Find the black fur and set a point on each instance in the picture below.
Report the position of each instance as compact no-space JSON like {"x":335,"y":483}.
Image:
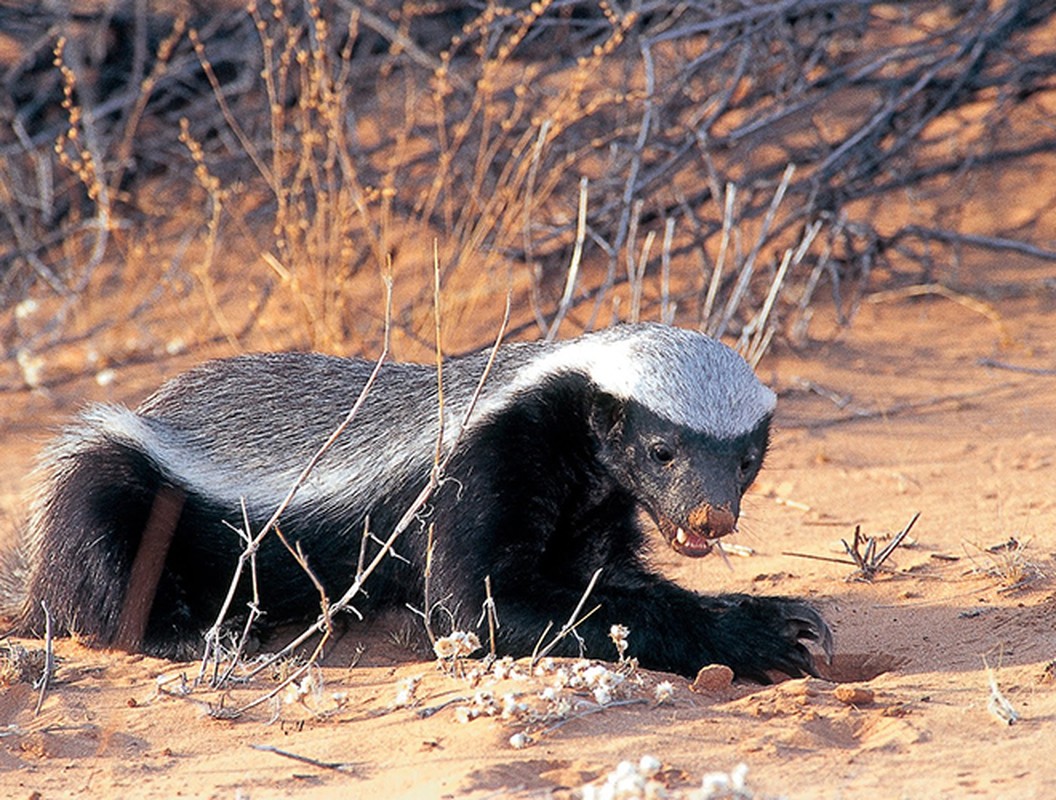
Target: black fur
{"x":548,"y":487}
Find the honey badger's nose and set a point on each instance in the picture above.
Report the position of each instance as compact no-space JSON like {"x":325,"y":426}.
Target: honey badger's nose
{"x":712,"y":521}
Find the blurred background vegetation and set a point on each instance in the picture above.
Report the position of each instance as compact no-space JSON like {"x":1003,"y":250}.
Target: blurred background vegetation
{"x":210,"y":177}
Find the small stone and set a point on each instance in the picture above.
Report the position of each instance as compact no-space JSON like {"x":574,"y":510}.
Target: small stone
{"x":854,"y":695}
{"x":798,"y":687}
{"x":712,"y":678}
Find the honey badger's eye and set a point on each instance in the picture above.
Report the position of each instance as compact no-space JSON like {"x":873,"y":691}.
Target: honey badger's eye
{"x":661,"y":452}
{"x":748,"y":463}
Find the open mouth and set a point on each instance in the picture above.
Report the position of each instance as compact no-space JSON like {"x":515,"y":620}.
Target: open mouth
{"x":691,"y":544}
{"x":686,"y":541}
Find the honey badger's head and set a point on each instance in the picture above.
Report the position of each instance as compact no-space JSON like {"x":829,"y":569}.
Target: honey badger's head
{"x":682,"y":423}
{"x":688,"y":482}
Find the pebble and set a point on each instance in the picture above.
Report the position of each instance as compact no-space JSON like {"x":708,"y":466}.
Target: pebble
{"x":854,"y":695}
{"x":712,"y":678}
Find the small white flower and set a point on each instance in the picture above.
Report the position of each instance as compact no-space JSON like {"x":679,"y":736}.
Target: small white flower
{"x":739,"y":776}
{"x":502,"y":668}
{"x":715,"y":783}
{"x":664,"y":692}
{"x":511,"y":708}
{"x":444,"y":648}
{"x":296,"y":692}
{"x":519,"y":741}
{"x":27,"y":308}
{"x":595,"y":675}
{"x":32,"y":368}
{"x":625,"y":769}
{"x":456,"y":645}
{"x":720,"y":783}
{"x":464,"y":714}
{"x":619,"y":634}
{"x":405,"y":690}
{"x":546,"y":666}
{"x":649,"y":766}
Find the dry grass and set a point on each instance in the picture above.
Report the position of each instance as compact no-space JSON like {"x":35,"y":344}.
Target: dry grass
{"x":19,"y":664}
{"x":249,"y":174}
{"x":1008,"y":563}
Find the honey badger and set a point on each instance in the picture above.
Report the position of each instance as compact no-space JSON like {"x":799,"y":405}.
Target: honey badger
{"x":571,"y":450}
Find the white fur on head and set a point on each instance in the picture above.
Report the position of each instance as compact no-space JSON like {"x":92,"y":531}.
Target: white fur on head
{"x":681,"y":375}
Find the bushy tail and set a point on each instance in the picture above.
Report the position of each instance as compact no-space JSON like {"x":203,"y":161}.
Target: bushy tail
{"x":98,"y":491}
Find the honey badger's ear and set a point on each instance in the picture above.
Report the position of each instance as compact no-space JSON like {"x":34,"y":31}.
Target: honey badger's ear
{"x":606,"y":415}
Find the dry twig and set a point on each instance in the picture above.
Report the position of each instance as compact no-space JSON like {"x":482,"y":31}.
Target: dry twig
{"x":569,"y":628}
{"x":493,"y":168}
{"x":868,"y":562}
{"x":339,"y":766}
{"x":871,"y":562}
{"x":48,"y":669}
{"x":435,"y":479}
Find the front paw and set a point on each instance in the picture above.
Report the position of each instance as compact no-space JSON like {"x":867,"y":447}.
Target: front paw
{"x":759,"y":634}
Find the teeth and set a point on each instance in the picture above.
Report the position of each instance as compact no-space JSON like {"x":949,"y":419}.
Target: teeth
{"x":680,"y":536}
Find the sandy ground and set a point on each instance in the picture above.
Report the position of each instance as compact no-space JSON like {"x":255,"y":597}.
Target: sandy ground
{"x":939,"y":404}
{"x":913,"y":409}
